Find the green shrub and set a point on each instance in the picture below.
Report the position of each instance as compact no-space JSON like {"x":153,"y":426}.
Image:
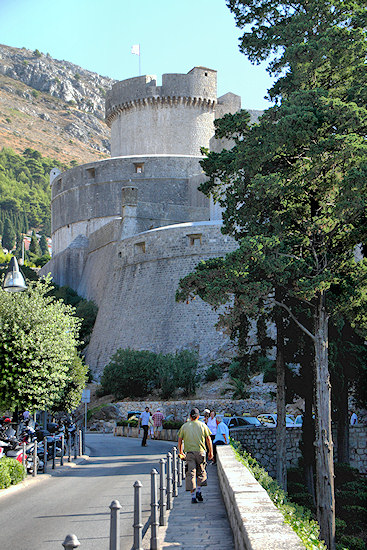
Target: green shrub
{"x":5,"y":479}
{"x":132,"y":373}
{"x":344,"y":474}
{"x":352,"y":515}
{"x":238,"y":388}
{"x":214,"y":372}
{"x":172,"y":424}
{"x":238,"y":371}
{"x":358,"y":497}
{"x":11,"y":472}
{"x":351,"y":543}
{"x":131,"y":422}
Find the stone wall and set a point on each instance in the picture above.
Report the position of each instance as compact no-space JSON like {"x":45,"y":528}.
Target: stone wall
{"x":255,"y":521}
{"x":87,"y":197}
{"x":261,"y":444}
{"x":181,"y":409}
{"x":136,"y":301}
{"x":175,"y":118}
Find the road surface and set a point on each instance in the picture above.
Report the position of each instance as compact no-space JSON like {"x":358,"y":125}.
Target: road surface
{"x":77,"y":500}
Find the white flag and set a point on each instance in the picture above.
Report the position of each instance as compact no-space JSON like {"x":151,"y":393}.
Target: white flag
{"x":135,"y":49}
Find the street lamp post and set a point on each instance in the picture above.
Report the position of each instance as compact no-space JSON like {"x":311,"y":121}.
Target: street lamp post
{"x":14,"y":280}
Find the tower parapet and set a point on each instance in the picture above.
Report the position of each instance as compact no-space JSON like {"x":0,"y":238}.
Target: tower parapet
{"x":175,"y":118}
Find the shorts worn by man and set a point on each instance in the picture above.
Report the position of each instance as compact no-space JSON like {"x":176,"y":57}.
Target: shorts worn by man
{"x":194,"y":436}
{"x":158,"y":423}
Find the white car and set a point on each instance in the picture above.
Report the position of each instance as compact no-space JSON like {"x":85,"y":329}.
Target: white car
{"x":270,"y":420}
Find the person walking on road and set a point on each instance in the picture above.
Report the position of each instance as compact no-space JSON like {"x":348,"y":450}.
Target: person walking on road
{"x":144,"y":423}
{"x":193,"y":437}
{"x":158,"y":423}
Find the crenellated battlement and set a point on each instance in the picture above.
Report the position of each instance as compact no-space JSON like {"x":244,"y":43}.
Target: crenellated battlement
{"x":197,"y":88}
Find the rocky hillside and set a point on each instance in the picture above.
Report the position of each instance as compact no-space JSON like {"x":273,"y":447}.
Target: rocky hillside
{"x":52,"y":106}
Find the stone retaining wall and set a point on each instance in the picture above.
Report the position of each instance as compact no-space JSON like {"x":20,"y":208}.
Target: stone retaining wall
{"x":128,"y":431}
{"x":181,"y":409}
{"x":255,"y":521}
{"x":261,"y":444}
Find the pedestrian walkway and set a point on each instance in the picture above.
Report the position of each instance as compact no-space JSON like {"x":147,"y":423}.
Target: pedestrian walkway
{"x":201,"y":526}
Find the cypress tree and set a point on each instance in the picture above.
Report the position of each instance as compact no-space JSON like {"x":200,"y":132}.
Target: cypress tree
{"x":8,"y":237}
{"x":34,"y":247}
{"x":43,"y":245}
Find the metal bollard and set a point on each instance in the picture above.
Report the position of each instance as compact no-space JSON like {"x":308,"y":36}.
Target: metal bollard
{"x":184,"y":469}
{"x":115,"y":508}
{"x":154,"y":523}
{"x":62,"y":450}
{"x":174,"y":473}
{"x":35,"y":459}
{"x":70,"y":542}
{"x":69,"y":448}
{"x":54,"y":454}
{"x":162,"y":492}
{"x":75,"y":445}
{"x":138,"y":524}
{"x":45,"y":455}
{"x":80,"y":443}
{"x":83,"y":440}
{"x":169,"y":481}
{"x":24,"y":455}
{"x":180,"y":465}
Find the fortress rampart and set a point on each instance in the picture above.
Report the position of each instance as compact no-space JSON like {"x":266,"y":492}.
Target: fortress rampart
{"x":125,"y":230}
{"x":87,"y":197}
{"x":175,"y":118}
{"x":138,"y":295}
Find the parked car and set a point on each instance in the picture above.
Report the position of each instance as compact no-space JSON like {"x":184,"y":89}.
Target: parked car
{"x":270,"y":420}
{"x":298,"y":420}
{"x":133,"y":415}
{"x":241,"y":421}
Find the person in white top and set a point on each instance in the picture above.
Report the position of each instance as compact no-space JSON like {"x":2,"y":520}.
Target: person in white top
{"x":212,"y":424}
{"x":221,"y":437}
{"x":144,"y":423}
{"x":353,"y":419}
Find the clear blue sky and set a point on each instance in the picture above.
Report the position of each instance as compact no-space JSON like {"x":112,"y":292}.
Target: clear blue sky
{"x":174,"y":37}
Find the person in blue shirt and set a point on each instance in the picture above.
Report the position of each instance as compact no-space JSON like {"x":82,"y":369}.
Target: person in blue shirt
{"x":221,"y":437}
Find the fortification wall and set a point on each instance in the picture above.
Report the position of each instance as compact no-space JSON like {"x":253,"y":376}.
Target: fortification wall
{"x":175,"y":118}
{"x":136,"y":298}
{"x":87,"y":197}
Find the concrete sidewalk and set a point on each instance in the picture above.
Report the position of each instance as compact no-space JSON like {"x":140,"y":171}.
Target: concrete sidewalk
{"x":201,"y":526}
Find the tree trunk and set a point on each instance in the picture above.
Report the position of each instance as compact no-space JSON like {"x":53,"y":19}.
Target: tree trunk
{"x":324,"y":443}
{"x":308,"y":435}
{"x":343,"y":425}
{"x":281,"y":451}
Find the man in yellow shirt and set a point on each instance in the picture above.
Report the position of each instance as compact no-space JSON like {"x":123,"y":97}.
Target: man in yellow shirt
{"x":194,"y":436}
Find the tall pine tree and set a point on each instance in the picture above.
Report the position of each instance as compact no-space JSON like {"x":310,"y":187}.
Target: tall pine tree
{"x":294,"y":186}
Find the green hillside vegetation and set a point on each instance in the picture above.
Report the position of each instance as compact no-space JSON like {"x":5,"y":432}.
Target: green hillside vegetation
{"x":25,"y":194}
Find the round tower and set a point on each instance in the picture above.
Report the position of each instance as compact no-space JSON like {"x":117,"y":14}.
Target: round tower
{"x":173,"y":119}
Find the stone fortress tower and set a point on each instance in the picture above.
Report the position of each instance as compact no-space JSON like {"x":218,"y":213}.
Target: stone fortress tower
{"x":126,"y":229}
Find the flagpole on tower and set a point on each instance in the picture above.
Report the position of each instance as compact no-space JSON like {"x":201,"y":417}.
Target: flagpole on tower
{"x":135,"y":49}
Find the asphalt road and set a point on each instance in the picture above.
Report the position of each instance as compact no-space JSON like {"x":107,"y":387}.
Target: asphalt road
{"x":77,"y":500}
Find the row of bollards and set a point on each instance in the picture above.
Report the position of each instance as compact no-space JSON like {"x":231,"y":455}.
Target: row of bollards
{"x":78,"y":446}
{"x":170,"y":479}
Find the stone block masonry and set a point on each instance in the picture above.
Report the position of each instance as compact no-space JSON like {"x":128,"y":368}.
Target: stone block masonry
{"x":256,"y":523}
{"x":261,"y":444}
{"x":138,"y":296}
{"x":127,"y":257}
